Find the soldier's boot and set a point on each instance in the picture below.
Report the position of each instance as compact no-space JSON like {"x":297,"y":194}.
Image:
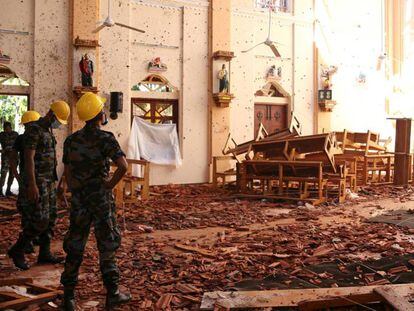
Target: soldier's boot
{"x":115,"y":298}
{"x":46,"y":257}
{"x":29,"y":248}
{"x":69,"y":303}
{"x":16,"y":253}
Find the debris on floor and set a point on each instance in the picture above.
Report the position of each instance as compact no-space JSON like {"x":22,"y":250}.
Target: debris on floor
{"x":194,"y":239}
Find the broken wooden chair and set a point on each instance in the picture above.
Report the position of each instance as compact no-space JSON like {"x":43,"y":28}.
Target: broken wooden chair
{"x":227,"y":175}
{"x":126,"y":190}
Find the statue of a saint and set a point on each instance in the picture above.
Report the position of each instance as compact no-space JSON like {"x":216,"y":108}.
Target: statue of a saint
{"x":86,"y":68}
{"x":223,"y":80}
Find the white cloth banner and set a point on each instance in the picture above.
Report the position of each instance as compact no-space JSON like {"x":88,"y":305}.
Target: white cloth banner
{"x":156,"y":143}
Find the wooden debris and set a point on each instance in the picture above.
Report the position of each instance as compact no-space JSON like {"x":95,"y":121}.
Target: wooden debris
{"x":164,"y":302}
{"x":290,"y":298}
{"x":192,"y":249}
{"x":15,"y":301}
{"x":394,"y":298}
{"x":334,"y":302}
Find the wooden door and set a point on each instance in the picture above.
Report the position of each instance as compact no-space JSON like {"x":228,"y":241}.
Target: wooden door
{"x":273,"y":117}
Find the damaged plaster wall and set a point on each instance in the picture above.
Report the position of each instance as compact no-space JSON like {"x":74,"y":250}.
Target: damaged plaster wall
{"x":181,"y":28}
{"x":18,"y":16}
{"x":41,"y":58}
{"x":295,"y":33}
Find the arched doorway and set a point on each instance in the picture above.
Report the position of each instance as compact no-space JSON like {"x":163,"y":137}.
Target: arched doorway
{"x":14,"y":97}
{"x":272,"y":108}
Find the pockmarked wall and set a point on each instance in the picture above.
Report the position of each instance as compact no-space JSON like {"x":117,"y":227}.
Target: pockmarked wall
{"x":349,"y":35}
{"x":40,"y":53}
{"x":177,"y":32}
{"x":294,"y":32}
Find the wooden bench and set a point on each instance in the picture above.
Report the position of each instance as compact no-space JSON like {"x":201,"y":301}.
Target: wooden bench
{"x":285,"y":180}
{"x":374,"y":164}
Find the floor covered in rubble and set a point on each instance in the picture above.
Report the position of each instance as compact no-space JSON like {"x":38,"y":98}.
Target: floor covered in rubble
{"x":188,"y":240}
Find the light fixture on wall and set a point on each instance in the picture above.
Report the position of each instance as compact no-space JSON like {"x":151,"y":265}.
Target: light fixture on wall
{"x":109,"y":22}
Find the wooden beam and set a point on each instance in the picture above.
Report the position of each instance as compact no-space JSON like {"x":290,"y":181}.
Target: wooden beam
{"x":15,"y":281}
{"x":21,"y":303}
{"x":394,"y":299}
{"x":198,"y":250}
{"x":353,"y":300}
{"x":291,"y":298}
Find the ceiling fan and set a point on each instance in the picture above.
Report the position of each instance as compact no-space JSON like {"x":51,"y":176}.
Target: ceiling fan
{"x":268,"y":41}
{"x":109,"y":22}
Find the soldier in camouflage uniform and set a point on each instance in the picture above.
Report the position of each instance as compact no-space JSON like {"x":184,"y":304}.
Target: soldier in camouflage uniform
{"x":86,"y":155}
{"x":17,"y":159}
{"x":7,"y":139}
{"x":38,"y":203}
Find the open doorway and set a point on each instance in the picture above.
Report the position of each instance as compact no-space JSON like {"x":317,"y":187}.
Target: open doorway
{"x":12,"y":108}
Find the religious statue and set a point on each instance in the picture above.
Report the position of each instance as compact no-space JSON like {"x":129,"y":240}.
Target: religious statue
{"x":274,"y":73}
{"x":156,"y":65}
{"x":86,"y":68}
{"x":223,"y":80}
{"x":326,"y":76}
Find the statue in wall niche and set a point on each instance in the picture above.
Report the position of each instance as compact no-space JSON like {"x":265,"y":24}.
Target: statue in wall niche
{"x":86,"y":68}
{"x":223,"y":80}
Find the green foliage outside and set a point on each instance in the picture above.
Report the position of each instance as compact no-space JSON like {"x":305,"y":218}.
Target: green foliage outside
{"x":11,"y":109}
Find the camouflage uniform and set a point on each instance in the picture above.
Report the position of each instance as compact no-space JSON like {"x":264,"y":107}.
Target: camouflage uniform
{"x":19,"y":150}
{"x":87,"y":153}
{"x":7,"y":140}
{"x":39,"y":218}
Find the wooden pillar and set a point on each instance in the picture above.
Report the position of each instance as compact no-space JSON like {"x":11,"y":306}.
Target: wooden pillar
{"x":394,"y":29}
{"x":219,"y":39}
{"x":402,"y":152}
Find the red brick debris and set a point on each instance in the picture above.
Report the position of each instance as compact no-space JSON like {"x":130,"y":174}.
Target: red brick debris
{"x":188,"y":240}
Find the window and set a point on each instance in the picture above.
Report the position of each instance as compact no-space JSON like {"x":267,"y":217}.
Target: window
{"x":276,"y":5}
{"x":160,"y":111}
{"x":154,"y":83}
{"x":154,"y":110}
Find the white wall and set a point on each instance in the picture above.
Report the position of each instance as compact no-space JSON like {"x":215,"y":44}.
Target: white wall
{"x":351,"y":40}
{"x":182,"y":28}
{"x":295,"y":33}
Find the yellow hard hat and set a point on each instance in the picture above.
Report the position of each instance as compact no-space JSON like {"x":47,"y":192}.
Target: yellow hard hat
{"x":89,"y":105}
{"x":61,"y":110}
{"x":30,"y":116}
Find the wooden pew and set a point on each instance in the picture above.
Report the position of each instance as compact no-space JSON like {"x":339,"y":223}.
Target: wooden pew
{"x":285,"y":180}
